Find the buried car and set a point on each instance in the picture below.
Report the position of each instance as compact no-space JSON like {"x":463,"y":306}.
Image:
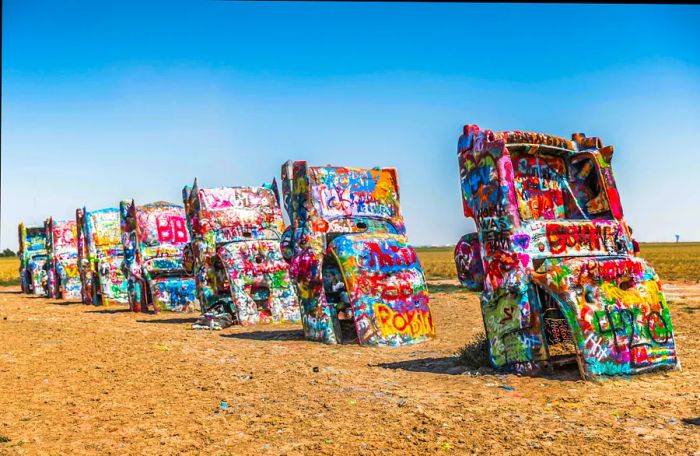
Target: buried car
{"x":554,"y":256}
{"x":235,"y":253}
{"x":100,"y":255}
{"x":358,"y":279}
{"x":32,"y":258}
{"x":62,"y":275}
{"x":153,"y":237}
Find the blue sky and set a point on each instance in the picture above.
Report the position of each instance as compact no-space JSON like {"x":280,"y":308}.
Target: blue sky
{"x":103,"y":101}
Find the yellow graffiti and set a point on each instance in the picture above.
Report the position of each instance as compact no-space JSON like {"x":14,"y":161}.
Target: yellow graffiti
{"x":633,"y":296}
{"x":413,"y":323}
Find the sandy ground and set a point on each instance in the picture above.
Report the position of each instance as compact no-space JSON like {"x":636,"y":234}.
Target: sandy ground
{"x":78,"y":379}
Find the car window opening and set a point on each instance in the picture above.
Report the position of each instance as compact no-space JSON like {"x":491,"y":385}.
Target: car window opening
{"x":337,"y":297}
{"x":552,"y":188}
{"x":561,"y":346}
{"x":261,"y":295}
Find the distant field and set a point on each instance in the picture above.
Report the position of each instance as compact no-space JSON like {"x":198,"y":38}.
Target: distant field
{"x":9,"y":267}
{"x":672,"y":261}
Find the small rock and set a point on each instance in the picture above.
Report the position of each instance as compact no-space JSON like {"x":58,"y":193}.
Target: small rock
{"x":315,"y":369}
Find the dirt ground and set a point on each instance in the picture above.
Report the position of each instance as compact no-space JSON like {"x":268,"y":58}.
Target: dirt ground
{"x":79,"y":379}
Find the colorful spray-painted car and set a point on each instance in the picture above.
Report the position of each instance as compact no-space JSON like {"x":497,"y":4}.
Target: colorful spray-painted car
{"x":32,"y":255}
{"x":561,"y":283}
{"x":100,"y":256}
{"x":358,"y":278}
{"x":62,"y":275}
{"x":154,"y":236}
{"x":236,"y":255}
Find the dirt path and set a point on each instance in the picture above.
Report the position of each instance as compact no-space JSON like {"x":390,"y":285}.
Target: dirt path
{"x":80,"y":379}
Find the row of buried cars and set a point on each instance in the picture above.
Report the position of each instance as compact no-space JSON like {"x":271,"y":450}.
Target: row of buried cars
{"x":552,"y":256}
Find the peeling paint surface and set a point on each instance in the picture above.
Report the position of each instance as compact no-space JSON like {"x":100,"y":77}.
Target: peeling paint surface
{"x":358,"y":278}
{"x":100,"y":256}
{"x":153,"y":238}
{"x":63,"y":276}
{"x":236,"y":253}
{"x":560,"y":280}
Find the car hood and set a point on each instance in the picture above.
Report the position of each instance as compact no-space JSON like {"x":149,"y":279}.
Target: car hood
{"x":386,"y":287}
{"x":616,"y":310}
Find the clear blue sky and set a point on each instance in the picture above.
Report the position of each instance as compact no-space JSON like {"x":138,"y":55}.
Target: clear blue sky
{"x":104,"y":101}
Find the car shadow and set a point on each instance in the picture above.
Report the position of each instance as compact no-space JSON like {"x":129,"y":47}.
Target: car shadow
{"x":109,"y":311}
{"x":65,"y":302}
{"x":290,"y":334}
{"x":450,"y":365}
{"x":170,"y":321}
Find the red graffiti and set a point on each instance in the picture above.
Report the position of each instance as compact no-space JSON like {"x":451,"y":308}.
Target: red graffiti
{"x":389,"y":256}
{"x":587,"y":236}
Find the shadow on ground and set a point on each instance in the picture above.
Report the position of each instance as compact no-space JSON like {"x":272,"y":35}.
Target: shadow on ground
{"x":292,"y":334}
{"x":450,"y":365}
{"x":446,"y":365}
{"x":109,"y":311}
{"x":170,"y":321}
{"x":62,"y":302}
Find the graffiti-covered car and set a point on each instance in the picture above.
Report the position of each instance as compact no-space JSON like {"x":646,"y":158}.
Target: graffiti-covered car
{"x":236,"y":254}
{"x":100,"y":255}
{"x":154,"y":236}
{"x":561,"y":283}
{"x":62,"y":275}
{"x":32,"y":258}
{"x":358,"y":278}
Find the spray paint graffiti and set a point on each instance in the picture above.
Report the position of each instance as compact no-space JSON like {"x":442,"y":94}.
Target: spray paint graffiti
{"x":556,"y":263}
{"x":470,"y":270}
{"x":63,"y":277}
{"x":358,"y":278}
{"x":100,"y":256}
{"x":153,"y":238}
{"x":236,"y":255}
{"x":32,"y":255}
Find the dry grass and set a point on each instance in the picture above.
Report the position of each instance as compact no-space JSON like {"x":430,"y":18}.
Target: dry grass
{"x":9,"y":271}
{"x":672,"y":261}
{"x":438,"y":262}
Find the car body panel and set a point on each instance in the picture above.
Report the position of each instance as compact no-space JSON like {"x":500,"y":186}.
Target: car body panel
{"x":386,"y":287}
{"x":470,"y":269}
